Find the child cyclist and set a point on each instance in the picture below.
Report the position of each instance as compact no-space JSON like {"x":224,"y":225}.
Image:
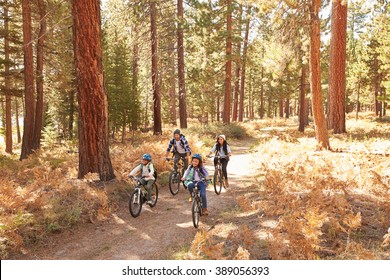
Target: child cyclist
{"x":180,"y":149}
{"x":221,"y":148}
{"x":147,"y":172}
{"x":197,"y":172}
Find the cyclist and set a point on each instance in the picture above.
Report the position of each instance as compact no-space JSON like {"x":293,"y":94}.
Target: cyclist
{"x":147,"y":172}
{"x":221,"y":148}
{"x":197,"y":172}
{"x":180,"y":149}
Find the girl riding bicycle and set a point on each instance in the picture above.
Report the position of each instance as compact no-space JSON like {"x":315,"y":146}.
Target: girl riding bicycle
{"x":197,"y":172}
{"x":221,"y":148}
{"x":147,"y":172}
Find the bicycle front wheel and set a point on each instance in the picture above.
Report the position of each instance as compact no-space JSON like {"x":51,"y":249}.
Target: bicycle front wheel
{"x":135,"y":203}
{"x":174,"y":182}
{"x":154,"y":195}
{"x":217,"y":181}
{"x":195,"y":212}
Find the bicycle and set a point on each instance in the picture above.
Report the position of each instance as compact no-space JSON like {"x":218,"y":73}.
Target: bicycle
{"x":139,"y":196}
{"x":197,"y":205}
{"x":218,"y":175}
{"x":175,"y":177}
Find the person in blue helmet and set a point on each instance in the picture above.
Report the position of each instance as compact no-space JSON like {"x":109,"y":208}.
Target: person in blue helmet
{"x":146,"y":169}
{"x":197,"y":172}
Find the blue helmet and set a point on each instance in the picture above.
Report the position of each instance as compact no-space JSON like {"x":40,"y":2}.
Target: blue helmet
{"x":198,"y":156}
{"x":148,"y":157}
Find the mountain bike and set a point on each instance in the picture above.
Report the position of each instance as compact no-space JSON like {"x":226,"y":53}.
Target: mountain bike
{"x":139,"y":196}
{"x":218,"y":175}
{"x":197,"y":205}
{"x":175,"y":177}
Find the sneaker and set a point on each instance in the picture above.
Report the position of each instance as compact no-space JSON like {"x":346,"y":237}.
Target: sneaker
{"x":225,"y":183}
{"x":205,"y":212}
{"x":190,"y":199}
{"x":150,"y":202}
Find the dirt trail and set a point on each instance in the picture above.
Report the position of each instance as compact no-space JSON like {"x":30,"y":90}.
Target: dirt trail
{"x":157,"y":233}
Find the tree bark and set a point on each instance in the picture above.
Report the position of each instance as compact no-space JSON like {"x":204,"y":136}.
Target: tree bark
{"x":244,"y":55}
{"x":287,"y":108}
{"x":28,"y":130}
{"x":39,"y":76}
{"x":336,"y":90}
{"x":228,"y":65}
{"x":315,"y":42}
{"x":71,"y":113}
{"x":281,"y":107}
{"x":302,"y":99}
{"x":7,"y":84}
{"x":134,"y":110}
{"x":180,"y":65}
{"x":155,"y":80}
{"x":17,"y":120}
{"x":94,"y":153}
{"x":238,"y":66}
{"x":171,"y":86}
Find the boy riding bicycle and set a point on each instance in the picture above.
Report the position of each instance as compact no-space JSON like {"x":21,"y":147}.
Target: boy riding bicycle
{"x":197,"y":172}
{"x":147,"y":172}
{"x":180,"y":149}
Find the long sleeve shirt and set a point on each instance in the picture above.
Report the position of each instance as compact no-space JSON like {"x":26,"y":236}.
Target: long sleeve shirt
{"x":182,"y":144}
{"x":146,"y":170}
{"x":221,"y":152}
{"x":194,"y":173}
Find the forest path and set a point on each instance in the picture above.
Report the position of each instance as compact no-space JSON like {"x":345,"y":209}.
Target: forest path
{"x":162,"y":232}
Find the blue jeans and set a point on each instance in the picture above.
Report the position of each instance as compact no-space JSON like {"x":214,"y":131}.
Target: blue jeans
{"x":202,"y":188}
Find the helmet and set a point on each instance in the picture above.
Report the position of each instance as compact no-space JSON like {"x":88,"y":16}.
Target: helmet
{"x":198,"y":156}
{"x":148,"y":157}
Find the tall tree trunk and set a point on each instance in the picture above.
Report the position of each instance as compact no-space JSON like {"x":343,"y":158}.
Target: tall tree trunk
{"x":262,"y":94}
{"x":336,"y":90}
{"x":155,"y":79}
{"x":28,"y":130}
{"x":39,"y":76}
{"x":302,"y":99}
{"x":376,"y":85}
{"x":181,"y":74}
{"x":94,"y":153}
{"x":7,"y":84}
{"x":287,"y":108}
{"x":134,"y":92}
{"x":315,"y":42}
{"x":238,"y":66}
{"x":244,"y":54}
{"x":358,"y":101}
{"x":228,"y":65}
{"x":17,"y":120}
{"x":280,"y":107}
{"x":218,"y":112}
{"x":71,"y":113}
{"x":124,"y":126}
{"x":172,"y":82}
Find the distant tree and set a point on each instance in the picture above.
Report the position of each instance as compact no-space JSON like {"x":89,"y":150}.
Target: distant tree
{"x":228,"y":64}
{"x":319,"y":116}
{"x":155,"y":78}
{"x":28,"y":131}
{"x":92,"y":98}
{"x":337,"y":80}
{"x":39,"y":75}
{"x":7,"y":84}
{"x":180,"y":65}
{"x":244,"y":60}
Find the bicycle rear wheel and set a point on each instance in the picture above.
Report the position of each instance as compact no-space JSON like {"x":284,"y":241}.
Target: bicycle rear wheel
{"x":174,"y":182}
{"x":195,"y":212}
{"x":135,"y":203}
{"x":154,"y":195}
{"x":218,"y":181}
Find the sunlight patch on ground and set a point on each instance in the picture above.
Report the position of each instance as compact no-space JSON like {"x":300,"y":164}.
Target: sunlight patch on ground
{"x":145,"y":236}
{"x":246,"y":214}
{"x":185,"y":225}
{"x":262,"y":235}
{"x":269,"y":224}
{"x":223,"y":230}
{"x":118,"y":220}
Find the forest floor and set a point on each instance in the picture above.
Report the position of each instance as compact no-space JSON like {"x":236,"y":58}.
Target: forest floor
{"x":163,"y":232}
{"x":285,"y":201}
